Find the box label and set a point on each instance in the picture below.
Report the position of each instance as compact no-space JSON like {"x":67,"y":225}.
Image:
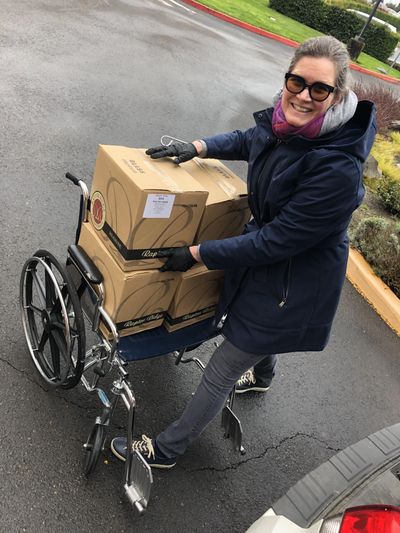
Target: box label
{"x":140,"y":321}
{"x":158,"y":205}
{"x":189,"y":316}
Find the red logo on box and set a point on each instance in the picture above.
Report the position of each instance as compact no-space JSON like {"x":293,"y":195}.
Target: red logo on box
{"x":98,"y":210}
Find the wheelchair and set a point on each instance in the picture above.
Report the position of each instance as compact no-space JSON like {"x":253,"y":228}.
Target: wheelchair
{"x":60,"y":303}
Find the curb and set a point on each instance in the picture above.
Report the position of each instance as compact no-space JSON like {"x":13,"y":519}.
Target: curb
{"x":372,"y":288}
{"x":279,"y":38}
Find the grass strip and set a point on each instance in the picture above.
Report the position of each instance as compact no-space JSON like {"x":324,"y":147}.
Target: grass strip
{"x":257,"y":13}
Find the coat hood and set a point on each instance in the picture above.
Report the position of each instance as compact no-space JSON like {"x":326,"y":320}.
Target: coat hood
{"x":355,"y":137}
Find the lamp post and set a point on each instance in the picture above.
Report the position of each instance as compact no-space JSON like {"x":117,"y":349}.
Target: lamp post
{"x":356,"y":44}
{"x":395,"y":59}
{"x":371,"y":16}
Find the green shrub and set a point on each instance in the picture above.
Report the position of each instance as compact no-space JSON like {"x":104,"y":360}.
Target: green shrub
{"x":389,"y":191}
{"x":332,"y":20}
{"x":341,"y":24}
{"x":309,"y":12}
{"x":379,"y":42}
{"x":378,"y":240}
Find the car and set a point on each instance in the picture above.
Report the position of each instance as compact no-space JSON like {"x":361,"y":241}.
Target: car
{"x":355,"y":491}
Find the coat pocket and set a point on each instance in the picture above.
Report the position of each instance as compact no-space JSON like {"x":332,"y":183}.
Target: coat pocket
{"x":275,"y":280}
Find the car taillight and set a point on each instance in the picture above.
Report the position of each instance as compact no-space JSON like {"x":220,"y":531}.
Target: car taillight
{"x":365,"y":519}
{"x":371,"y":519}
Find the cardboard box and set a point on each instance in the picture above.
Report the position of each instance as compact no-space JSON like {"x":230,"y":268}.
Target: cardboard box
{"x":227,"y":209}
{"x":139,"y":205}
{"x":195,"y":298}
{"x":135,"y":301}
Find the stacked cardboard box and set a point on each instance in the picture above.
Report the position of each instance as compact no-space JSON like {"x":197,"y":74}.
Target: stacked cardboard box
{"x":227,"y":209}
{"x":195,"y":298}
{"x":136,"y":300}
{"x":138,"y":208}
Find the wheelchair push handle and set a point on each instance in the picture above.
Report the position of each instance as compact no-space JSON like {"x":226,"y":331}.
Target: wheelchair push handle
{"x":72,"y":178}
{"x":82,"y":185}
{"x":84,"y":202}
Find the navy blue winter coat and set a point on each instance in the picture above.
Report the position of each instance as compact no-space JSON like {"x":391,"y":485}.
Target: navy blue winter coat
{"x":284,"y":274}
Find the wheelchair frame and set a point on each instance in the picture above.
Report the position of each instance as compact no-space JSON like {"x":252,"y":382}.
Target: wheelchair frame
{"x":53,"y":306}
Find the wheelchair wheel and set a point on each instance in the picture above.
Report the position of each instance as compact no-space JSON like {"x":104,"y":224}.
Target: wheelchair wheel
{"x":53,"y":320}
{"x":93,"y":448}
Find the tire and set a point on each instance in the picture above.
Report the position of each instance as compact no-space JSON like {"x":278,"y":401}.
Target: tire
{"x":53,"y":320}
{"x":93,"y":448}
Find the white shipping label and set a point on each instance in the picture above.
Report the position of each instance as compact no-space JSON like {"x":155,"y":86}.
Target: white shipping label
{"x":158,"y":205}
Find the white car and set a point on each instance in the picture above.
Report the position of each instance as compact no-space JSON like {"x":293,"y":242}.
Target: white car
{"x":356,"y":491}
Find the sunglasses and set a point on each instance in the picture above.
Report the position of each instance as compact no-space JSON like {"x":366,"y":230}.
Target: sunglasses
{"x":318,"y":91}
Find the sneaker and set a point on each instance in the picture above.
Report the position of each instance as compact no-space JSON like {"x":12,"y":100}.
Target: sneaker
{"x":248,"y":383}
{"x":145,"y":446}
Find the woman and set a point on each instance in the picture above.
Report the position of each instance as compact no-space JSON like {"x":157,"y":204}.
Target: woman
{"x":284,"y":274}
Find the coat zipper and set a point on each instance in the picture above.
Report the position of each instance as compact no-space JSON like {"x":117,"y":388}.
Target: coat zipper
{"x":274,"y":147}
{"x":286,"y":285}
{"x":224,"y":315}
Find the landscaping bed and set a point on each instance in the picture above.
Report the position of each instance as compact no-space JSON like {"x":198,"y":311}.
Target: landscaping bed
{"x":375,"y":226}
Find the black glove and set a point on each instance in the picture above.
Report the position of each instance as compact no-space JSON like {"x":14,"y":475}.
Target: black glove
{"x":179,"y":259}
{"x":183,"y":152}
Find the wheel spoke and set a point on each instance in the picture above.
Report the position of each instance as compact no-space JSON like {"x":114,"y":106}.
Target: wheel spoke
{"x":55,"y":356}
{"x":50,"y":292}
{"x":39,"y":288}
{"x":35,"y":309}
{"x":60,"y":341}
{"x":43,"y":340}
{"x":57,"y":304}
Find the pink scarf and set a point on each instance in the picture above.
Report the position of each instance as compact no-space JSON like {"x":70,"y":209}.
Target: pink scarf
{"x":282,"y":128}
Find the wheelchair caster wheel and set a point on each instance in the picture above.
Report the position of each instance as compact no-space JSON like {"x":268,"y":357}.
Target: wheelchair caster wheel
{"x":53,"y":320}
{"x":93,"y":448}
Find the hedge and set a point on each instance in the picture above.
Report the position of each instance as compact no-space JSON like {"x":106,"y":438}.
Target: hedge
{"x":340,"y":23}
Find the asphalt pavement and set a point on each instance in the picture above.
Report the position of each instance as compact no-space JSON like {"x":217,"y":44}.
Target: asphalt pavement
{"x":78,"y":73}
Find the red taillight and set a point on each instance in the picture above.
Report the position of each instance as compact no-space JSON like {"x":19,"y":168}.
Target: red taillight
{"x":371,"y":519}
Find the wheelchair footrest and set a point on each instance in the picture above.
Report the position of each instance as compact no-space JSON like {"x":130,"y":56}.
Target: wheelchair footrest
{"x":138,"y":481}
{"x":232,"y":428}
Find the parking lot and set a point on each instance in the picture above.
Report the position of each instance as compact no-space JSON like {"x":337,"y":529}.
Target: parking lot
{"x":118,"y":72}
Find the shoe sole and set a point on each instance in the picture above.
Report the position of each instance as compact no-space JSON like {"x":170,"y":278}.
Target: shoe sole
{"x":252,"y":389}
{"x":123,"y":459}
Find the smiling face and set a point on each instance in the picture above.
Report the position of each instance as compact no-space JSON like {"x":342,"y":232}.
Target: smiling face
{"x":299,"y":109}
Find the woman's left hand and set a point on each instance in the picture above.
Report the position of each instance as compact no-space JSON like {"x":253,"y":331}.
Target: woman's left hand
{"x":179,"y":259}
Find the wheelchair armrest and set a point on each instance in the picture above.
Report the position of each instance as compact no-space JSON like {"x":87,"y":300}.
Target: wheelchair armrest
{"x":85,"y":264}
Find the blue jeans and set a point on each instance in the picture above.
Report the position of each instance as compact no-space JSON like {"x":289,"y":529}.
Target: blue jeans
{"x":225,"y":367}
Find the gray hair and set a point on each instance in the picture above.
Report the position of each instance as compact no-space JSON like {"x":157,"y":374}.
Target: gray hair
{"x":329,"y":47}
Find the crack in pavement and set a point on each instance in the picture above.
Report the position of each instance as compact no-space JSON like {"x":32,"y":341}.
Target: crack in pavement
{"x":237,"y":465}
{"x":262,"y":454}
{"x":56,"y":394}
{"x":20,"y":371}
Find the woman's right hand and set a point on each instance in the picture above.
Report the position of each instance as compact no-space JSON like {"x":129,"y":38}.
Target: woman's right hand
{"x":181,"y":152}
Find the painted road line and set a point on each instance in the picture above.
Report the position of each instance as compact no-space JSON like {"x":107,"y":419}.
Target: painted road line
{"x":183,"y":7}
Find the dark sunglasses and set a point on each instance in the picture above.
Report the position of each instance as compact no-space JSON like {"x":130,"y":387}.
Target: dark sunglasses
{"x":318,"y":91}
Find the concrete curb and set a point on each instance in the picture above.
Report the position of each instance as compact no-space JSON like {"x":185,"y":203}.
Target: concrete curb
{"x":372,"y":288}
{"x":283,"y":40}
